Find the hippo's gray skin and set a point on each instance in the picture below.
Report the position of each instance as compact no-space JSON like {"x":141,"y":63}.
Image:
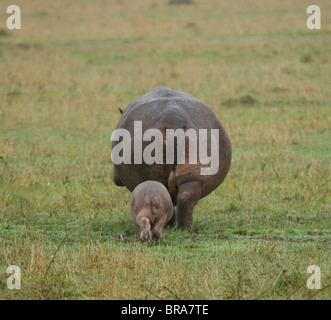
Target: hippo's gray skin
{"x":164,"y":108}
{"x":151,"y":209}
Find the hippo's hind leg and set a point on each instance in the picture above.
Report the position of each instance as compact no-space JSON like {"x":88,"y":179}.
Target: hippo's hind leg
{"x":188,"y":195}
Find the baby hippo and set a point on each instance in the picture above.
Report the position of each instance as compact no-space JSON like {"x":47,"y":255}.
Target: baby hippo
{"x":151,"y":209}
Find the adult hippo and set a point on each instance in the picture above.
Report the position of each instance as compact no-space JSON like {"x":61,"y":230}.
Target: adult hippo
{"x":163,"y":109}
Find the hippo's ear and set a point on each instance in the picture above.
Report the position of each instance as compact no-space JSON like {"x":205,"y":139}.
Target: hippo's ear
{"x":121,"y":111}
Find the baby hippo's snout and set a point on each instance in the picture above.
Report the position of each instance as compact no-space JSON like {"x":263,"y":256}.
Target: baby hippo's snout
{"x":151,"y":209}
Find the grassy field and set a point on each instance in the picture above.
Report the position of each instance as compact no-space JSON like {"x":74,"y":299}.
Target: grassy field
{"x":63,"y":77}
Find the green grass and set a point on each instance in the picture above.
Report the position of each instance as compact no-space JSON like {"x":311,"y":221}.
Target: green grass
{"x":66,"y":224}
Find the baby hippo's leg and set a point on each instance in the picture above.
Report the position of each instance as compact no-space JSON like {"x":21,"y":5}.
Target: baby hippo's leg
{"x":160,"y":224}
{"x":157,"y":231}
{"x":145,"y":229}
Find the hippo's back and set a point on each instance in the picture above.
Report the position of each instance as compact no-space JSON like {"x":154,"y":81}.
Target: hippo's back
{"x":163,"y":108}
{"x":166,"y":108}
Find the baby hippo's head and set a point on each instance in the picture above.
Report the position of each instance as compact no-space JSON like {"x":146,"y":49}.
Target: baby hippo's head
{"x":151,"y":209}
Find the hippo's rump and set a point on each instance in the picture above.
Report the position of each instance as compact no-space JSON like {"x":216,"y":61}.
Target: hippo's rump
{"x":163,"y":108}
